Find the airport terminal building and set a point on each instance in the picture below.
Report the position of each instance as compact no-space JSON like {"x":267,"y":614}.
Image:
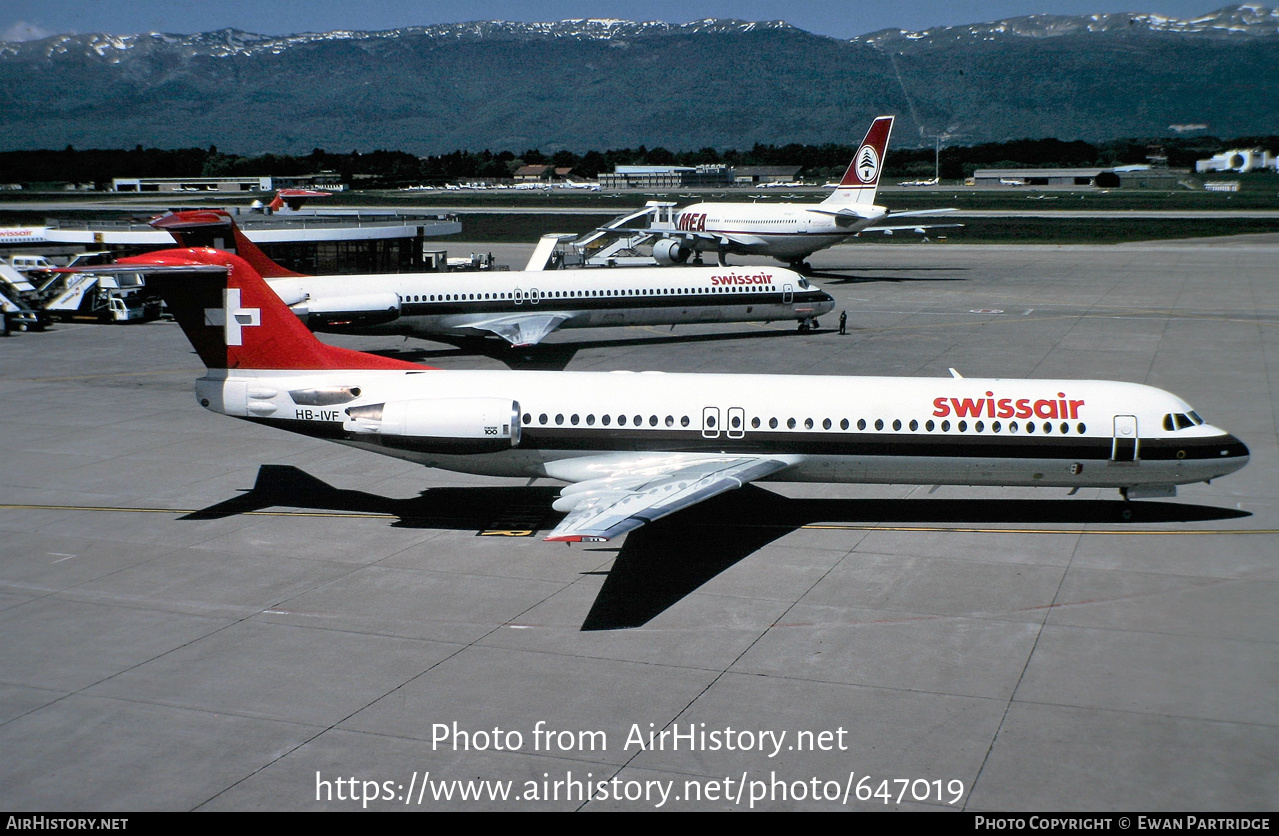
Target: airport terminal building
{"x":667,"y":177}
{"x":316,"y":244}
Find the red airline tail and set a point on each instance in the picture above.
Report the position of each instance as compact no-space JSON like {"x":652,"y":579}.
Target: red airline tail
{"x":861,"y":180}
{"x":217,"y":229}
{"x":235,"y":321}
{"x":293,"y":199}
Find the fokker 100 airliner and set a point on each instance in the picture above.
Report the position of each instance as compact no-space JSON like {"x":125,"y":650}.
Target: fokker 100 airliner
{"x":636,"y":447}
{"x":520,"y":307}
{"x":791,"y":232}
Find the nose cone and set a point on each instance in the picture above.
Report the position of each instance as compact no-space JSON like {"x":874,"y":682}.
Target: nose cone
{"x":1232,"y":452}
{"x":825,"y":303}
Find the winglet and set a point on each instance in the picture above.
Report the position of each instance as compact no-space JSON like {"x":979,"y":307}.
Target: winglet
{"x":861,"y":181}
{"x":235,"y":321}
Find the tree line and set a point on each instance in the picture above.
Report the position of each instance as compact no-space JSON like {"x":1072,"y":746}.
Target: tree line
{"x":392,"y":169}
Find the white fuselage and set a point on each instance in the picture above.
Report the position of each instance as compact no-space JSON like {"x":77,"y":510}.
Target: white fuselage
{"x":442,"y":304}
{"x":584,"y":425}
{"x":786,"y":231}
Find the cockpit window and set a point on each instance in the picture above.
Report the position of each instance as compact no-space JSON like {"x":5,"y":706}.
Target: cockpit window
{"x":1181,"y":421}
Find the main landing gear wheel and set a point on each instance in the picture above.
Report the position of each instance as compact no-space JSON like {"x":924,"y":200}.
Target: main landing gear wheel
{"x":802,"y":267}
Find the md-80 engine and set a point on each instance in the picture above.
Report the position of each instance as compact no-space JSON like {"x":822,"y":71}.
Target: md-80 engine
{"x":440,"y":425}
{"x":336,"y":313}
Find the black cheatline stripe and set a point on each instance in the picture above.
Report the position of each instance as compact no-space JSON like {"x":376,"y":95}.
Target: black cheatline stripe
{"x":833,"y":443}
{"x":847,"y":443}
{"x":1191,"y":449}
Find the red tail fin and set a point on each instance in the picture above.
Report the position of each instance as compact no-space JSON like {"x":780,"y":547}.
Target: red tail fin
{"x":235,"y":321}
{"x":293,"y":199}
{"x":861,"y":180}
{"x":217,"y":229}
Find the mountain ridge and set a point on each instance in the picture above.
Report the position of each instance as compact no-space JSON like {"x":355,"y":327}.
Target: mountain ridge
{"x":607,"y":83}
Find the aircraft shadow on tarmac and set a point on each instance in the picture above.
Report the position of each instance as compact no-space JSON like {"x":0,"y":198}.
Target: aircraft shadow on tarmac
{"x":663,"y":562}
{"x":840,"y":275}
{"x":557,"y":356}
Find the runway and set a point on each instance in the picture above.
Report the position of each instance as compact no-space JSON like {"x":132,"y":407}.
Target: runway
{"x":201,"y":614}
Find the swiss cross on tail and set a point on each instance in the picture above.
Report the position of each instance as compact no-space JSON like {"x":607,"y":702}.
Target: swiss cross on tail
{"x":861,"y":180}
{"x":235,"y":321}
{"x":232,"y":316}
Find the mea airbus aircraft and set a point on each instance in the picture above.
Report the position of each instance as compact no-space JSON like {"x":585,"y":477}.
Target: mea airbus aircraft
{"x":636,"y":447}
{"x":791,"y":232}
{"x":520,"y":307}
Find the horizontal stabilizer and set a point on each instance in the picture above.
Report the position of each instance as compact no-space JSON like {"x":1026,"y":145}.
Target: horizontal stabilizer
{"x":217,"y":229}
{"x":233,"y":318}
{"x":848,"y":213}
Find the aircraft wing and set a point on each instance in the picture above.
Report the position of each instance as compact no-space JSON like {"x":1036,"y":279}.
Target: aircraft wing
{"x":743,"y":240}
{"x":715,"y":238}
{"x":603,"y":508}
{"x":521,"y":329}
{"x":850,"y":213}
{"x":917,"y":212}
{"x":665,"y":232}
{"x":124,"y":267}
{"x":888,"y":230}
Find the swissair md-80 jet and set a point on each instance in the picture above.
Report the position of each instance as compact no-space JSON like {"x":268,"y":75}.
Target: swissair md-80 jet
{"x":790,"y":232}
{"x":636,"y":447}
{"x":520,"y":307}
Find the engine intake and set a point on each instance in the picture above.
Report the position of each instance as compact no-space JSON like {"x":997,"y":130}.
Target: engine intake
{"x":670,"y":251}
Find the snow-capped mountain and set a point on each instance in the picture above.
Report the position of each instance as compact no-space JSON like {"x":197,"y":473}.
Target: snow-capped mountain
{"x":1237,"y":22}
{"x":595,"y":83}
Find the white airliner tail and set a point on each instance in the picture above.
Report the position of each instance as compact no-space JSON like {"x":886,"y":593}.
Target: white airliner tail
{"x":861,"y":180}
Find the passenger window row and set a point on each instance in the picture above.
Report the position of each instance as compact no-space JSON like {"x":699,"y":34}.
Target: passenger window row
{"x":578,"y":294}
{"x":1064,"y":428}
{"x":606,"y":420}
